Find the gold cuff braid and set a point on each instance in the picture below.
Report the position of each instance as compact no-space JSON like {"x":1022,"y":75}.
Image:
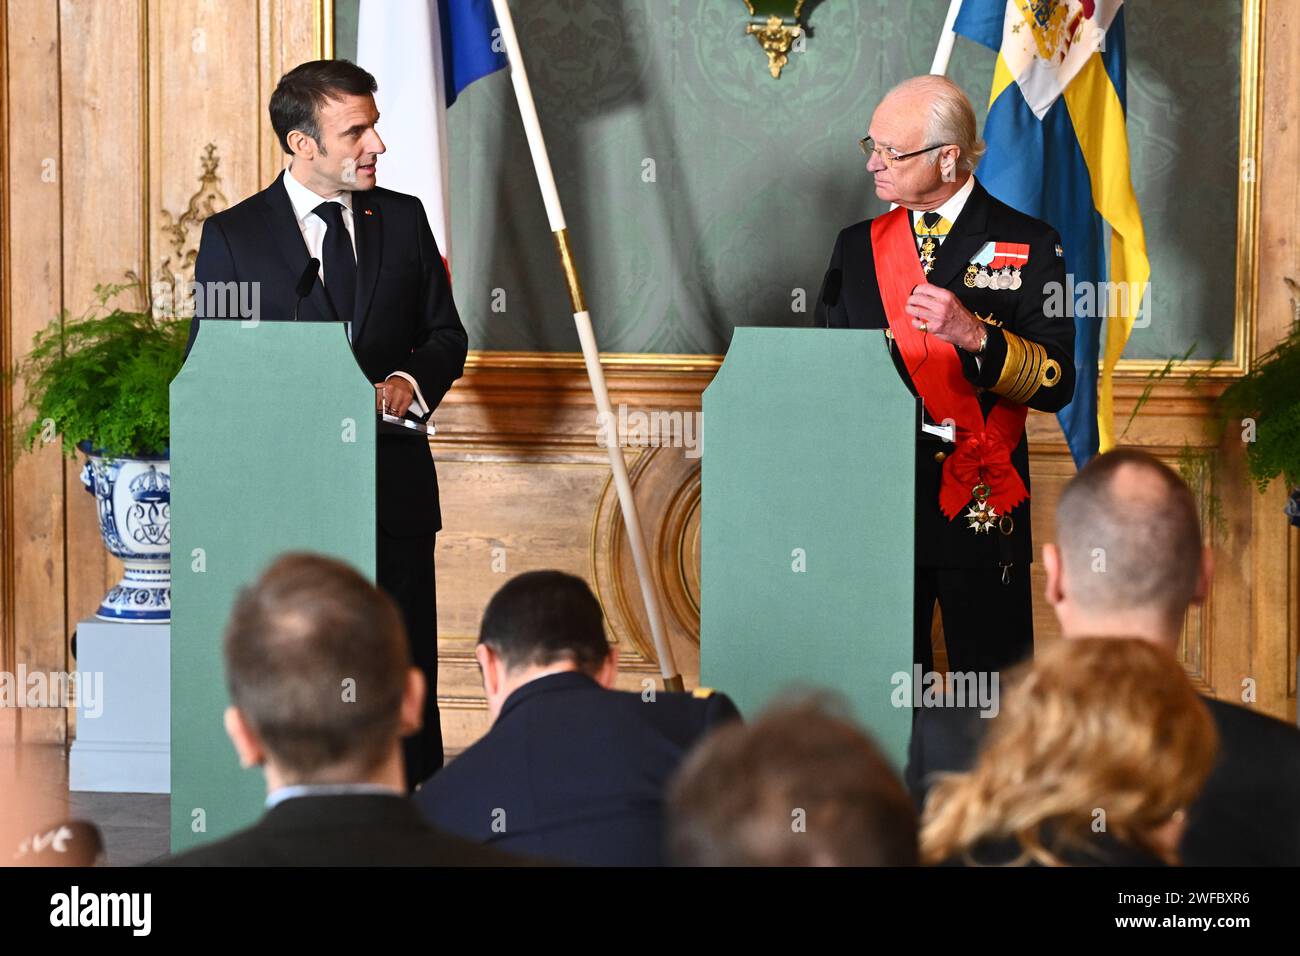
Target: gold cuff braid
{"x":1025,"y":370}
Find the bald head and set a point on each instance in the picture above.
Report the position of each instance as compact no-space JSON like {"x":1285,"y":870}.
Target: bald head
{"x":1129,"y":535}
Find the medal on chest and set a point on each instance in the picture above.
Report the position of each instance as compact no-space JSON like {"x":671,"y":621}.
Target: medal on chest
{"x":927,"y":254}
{"x":983,"y":517}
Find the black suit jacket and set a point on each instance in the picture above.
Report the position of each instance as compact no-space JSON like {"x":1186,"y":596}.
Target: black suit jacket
{"x":341,"y":830}
{"x":572,"y":772}
{"x":1014,"y":317}
{"x":404,"y":316}
{"x":1248,"y":814}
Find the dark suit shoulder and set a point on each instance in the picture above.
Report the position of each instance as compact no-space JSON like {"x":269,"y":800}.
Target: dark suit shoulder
{"x":582,"y":709}
{"x":1261,"y":745}
{"x":1248,"y":814}
{"x":247,"y":208}
{"x":351,"y":830}
{"x":1236,"y":717}
{"x":944,"y":740}
{"x":390,"y":198}
{"x":1004,"y":218}
{"x":859,"y":233}
{"x":688,"y":712}
{"x":228,"y":851}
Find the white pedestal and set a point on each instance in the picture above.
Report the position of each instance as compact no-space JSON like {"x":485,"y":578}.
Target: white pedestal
{"x":126,"y":748}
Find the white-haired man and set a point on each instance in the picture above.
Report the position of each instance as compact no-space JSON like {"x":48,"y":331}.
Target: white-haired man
{"x":961,"y":283}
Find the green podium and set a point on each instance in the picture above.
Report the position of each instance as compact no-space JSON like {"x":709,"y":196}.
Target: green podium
{"x":272,"y":450}
{"x":807,"y":524}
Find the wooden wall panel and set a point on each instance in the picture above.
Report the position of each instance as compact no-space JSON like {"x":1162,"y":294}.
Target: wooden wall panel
{"x":200,"y":58}
{"x":102,"y":108}
{"x":110,"y":104}
{"x":1272,"y":556}
{"x":34,"y":558}
{"x":289,"y":33}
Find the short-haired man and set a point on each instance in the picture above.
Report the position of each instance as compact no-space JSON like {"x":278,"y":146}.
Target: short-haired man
{"x":962,"y":284}
{"x":1128,"y":562}
{"x":321,"y":689}
{"x":800,"y":786}
{"x":571,"y":770}
{"x":382,"y":274}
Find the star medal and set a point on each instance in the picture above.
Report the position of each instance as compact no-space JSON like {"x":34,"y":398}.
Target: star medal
{"x":982,"y":515}
{"x":927,"y":254}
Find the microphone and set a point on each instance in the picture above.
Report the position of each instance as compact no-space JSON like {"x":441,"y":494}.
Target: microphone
{"x":831,"y":290}
{"x":305,"y":283}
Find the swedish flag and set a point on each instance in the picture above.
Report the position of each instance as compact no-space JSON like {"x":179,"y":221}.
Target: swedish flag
{"x":1058,"y":150}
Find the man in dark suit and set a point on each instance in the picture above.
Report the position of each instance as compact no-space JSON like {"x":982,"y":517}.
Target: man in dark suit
{"x":973,"y":325}
{"x":321,"y":688}
{"x":1128,"y":562}
{"x":571,"y":770}
{"x":382,"y":274}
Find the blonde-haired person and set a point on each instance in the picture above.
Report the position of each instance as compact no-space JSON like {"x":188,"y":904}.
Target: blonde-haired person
{"x":1101,"y":745}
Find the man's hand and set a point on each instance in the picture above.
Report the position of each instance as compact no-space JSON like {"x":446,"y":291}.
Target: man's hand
{"x":394,"y":396}
{"x":940,"y":313}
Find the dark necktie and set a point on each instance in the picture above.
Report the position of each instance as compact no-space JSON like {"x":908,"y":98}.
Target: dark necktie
{"x":930,"y":228}
{"x":339,"y":260}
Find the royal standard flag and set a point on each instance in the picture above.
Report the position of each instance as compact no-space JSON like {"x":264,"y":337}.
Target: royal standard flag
{"x":1058,"y":150}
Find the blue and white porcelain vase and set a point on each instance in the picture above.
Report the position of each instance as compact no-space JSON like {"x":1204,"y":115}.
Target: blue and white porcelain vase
{"x":133,"y":496}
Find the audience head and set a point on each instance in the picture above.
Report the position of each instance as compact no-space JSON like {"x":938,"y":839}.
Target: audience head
{"x":539,"y":623}
{"x":1093,"y":732}
{"x":799,"y":786}
{"x":1128,"y":558}
{"x":320,"y":677}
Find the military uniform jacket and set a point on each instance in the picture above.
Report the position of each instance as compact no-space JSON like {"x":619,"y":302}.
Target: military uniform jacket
{"x":1027,"y":333}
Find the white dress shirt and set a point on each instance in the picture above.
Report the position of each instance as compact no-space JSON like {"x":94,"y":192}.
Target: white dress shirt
{"x":313,"y":229}
{"x":950,"y":210}
{"x":292,"y":791}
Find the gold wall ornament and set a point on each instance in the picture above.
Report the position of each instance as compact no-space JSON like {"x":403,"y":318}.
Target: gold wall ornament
{"x":777,"y":35}
{"x":176,"y":271}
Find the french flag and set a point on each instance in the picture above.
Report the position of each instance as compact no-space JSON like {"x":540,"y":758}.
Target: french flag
{"x":423,"y":53}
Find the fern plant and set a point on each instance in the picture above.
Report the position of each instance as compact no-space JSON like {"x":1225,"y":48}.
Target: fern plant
{"x":1267,"y":402}
{"x":101,"y":379}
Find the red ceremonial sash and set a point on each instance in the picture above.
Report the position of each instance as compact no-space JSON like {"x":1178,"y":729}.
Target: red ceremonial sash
{"x":983,"y":449}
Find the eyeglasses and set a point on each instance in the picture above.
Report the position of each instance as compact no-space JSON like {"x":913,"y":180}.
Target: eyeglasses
{"x":891,"y":156}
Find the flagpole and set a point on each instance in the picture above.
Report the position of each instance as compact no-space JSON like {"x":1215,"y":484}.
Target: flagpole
{"x":587,"y":338}
{"x":946,"y":40}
